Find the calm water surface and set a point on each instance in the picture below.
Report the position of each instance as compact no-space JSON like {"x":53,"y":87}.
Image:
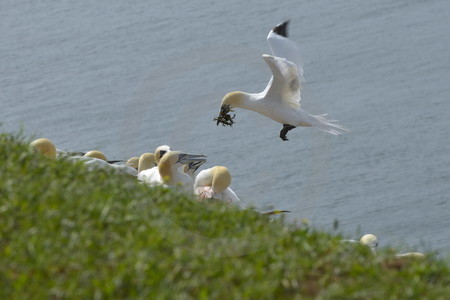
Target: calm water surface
{"x":125,"y":77}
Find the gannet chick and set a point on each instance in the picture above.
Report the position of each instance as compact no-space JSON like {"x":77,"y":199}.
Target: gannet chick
{"x":133,"y":162}
{"x":146,"y":161}
{"x":169,"y":172}
{"x":280,"y":100}
{"x":95,"y":154}
{"x":214,"y":183}
{"x":44,"y":146}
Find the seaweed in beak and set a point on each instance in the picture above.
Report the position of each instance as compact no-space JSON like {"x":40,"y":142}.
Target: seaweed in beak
{"x":225,"y":118}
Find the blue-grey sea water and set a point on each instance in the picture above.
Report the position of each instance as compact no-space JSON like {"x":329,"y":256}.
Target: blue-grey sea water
{"x":124,"y":77}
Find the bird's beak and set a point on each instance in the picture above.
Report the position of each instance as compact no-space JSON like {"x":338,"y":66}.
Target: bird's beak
{"x":195,"y":164}
{"x":275,"y":212}
{"x":186,"y":158}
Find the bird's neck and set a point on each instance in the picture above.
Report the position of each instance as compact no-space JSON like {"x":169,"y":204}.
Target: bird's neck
{"x":253,"y":102}
{"x":166,"y":171}
{"x":171,"y":174}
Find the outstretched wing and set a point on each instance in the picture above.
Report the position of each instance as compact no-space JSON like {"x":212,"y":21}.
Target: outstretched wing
{"x":284,"y":84}
{"x":282,"y":47}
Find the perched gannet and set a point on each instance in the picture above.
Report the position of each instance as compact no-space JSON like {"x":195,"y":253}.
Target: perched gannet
{"x":280,"y":100}
{"x":369,"y":240}
{"x":153,"y":172}
{"x":160,"y":152}
{"x":44,"y":146}
{"x":411,"y":255}
{"x":94,"y":163}
{"x":214,"y":183}
{"x":99,"y":155}
{"x":169,"y":170}
{"x":95,"y":160}
{"x":146,"y":161}
{"x":95,"y":154}
{"x":133,"y":162}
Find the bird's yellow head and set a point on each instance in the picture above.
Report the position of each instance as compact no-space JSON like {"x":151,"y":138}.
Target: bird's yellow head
{"x":160,"y":152}
{"x":369,"y":240}
{"x":146,"y":161}
{"x":173,"y":160}
{"x":45,"y":147}
{"x":96,"y":154}
{"x":133,"y":162}
{"x":229,"y":101}
{"x":221,"y":179}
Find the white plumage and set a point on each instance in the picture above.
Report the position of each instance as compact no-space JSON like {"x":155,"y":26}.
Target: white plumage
{"x":280,"y":100}
{"x":151,"y":175}
{"x":170,"y":171}
{"x":214,"y":183}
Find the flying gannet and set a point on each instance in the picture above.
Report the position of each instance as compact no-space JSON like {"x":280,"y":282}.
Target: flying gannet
{"x":169,"y":170}
{"x":280,"y":100}
{"x":214,"y":183}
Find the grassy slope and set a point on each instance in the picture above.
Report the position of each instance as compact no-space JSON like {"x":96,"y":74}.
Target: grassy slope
{"x":67,"y":232}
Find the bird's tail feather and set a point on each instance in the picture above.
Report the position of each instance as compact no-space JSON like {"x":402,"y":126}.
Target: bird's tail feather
{"x":325,"y":125}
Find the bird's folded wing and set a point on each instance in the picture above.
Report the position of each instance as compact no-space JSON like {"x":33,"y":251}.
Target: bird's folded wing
{"x":285,"y":48}
{"x":284,"y":84}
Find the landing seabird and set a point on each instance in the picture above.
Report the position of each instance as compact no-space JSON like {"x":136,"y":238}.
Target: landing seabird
{"x":280,"y":100}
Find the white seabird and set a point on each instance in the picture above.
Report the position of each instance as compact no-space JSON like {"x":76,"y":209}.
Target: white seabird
{"x":369,"y":240}
{"x":95,"y":160}
{"x":411,"y":254}
{"x":44,"y":146}
{"x":280,"y":100}
{"x":160,"y":151}
{"x":214,"y":183}
{"x":169,"y":170}
{"x":133,"y":162}
{"x":95,"y":154}
{"x":152,"y":174}
{"x":146,"y":162}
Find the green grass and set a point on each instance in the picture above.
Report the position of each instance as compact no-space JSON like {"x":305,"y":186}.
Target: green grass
{"x":66,"y":232}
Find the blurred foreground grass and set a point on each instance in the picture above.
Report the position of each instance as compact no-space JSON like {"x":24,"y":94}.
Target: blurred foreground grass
{"x":66,"y":232}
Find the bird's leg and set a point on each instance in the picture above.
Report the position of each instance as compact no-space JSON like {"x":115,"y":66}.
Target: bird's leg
{"x":284,"y":131}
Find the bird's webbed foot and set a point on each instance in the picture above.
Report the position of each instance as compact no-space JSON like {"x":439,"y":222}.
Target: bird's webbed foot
{"x":285,"y":130}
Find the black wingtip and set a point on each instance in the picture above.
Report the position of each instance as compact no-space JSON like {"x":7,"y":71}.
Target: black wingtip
{"x":281,"y":29}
